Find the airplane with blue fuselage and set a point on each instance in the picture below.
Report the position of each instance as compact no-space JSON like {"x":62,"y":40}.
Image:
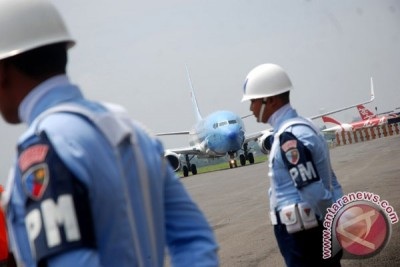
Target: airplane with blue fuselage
{"x":220,"y":134}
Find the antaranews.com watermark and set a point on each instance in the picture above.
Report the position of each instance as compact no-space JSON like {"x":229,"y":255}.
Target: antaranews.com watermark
{"x":359,"y":223}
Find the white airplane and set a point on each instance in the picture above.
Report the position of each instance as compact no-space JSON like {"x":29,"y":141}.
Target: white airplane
{"x":222,"y":133}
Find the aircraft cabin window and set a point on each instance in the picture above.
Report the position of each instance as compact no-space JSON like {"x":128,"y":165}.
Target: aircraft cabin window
{"x":232,"y":122}
{"x":222,"y":123}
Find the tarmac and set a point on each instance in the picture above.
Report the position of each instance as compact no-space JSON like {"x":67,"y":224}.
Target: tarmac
{"x":235,"y":202}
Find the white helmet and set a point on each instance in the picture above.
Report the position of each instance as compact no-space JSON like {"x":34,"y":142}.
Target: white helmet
{"x":29,"y":24}
{"x":266,"y":80}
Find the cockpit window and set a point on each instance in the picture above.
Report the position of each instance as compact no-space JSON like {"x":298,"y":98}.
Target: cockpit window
{"x":223,"y":123}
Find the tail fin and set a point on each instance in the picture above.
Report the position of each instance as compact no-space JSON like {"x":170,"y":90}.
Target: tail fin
{"x":365,"y":113}
{"x":372,"y":90}
{"x":193,"y":97}
{"x":330,"y":119}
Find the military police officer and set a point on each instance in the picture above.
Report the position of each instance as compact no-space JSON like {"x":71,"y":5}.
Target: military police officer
{"x":90,"y":186}
{"x":303,"y":184}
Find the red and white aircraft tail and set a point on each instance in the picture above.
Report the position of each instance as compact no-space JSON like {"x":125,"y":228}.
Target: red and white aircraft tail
{"x":365,"y":113}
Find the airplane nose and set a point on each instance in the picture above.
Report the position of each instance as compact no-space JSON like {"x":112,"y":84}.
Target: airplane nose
{"x":232,"y":136}
{"x":235,"y":138}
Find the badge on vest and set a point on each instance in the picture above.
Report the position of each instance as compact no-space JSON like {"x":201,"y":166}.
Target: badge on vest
{"x":291,"y":152}
{"x":35,"y":181}
{"x":298,"y":217}
{"x":35,"y":172}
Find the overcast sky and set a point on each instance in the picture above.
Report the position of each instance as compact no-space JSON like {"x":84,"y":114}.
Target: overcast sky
{"x":134,"y":53}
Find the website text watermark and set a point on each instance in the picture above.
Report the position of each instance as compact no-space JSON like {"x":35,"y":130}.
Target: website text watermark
{"x":352,"y":225}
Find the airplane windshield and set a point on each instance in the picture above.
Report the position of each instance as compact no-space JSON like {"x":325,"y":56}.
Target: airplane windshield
{"x":223,"y":123}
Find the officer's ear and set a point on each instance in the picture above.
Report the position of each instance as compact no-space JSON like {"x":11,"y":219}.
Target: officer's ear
{"x":271,"y":101}
{"x":276,"y":101}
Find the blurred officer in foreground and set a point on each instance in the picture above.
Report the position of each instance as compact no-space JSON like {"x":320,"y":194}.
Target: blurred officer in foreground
{"x":303,"y":184}
{"x":90,"y":187}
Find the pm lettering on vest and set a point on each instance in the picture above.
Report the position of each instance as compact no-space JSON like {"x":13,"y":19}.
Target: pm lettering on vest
{"x":53,"y":218}
{"x":303,"y":174}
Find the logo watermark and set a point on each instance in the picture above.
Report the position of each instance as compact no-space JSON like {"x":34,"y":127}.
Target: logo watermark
{"x":359,"y":223}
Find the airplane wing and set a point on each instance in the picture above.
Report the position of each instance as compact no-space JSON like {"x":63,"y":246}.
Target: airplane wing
{"x":189,"y":150}
{"x":348,"y":107}
{"x":338,"y":110}
{"x":173,"y":133}
{"x":256,"y":135}
{"x":197,"y":150}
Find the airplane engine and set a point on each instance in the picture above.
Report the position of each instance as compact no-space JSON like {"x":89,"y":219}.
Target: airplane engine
{"x":173,"y":159}
{"x":346,"y":127}
{"x":264,"y":142}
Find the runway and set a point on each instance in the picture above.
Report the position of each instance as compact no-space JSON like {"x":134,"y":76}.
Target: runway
{"x":236,"y":204}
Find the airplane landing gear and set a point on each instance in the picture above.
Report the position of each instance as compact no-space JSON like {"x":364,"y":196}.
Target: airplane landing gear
{"x":185,"y":168}
{"x":242,"y":159}
{"x":193,"y":168}
{"x":185,"y":171}
{"x":246,"y":156}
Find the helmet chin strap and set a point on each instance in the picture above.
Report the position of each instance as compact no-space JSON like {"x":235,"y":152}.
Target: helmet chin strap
{"x":261,"y":113}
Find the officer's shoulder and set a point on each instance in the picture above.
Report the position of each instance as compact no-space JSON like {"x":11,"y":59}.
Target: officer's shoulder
{"x":303,"y":133}
{"x":301,"y":129}
{"x":120,"y":112}
{"x":146,"y":133}
{"x":66,"y":124}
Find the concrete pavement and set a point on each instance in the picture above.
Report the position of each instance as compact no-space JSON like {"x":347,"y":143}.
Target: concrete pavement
{"x":236,"y":204}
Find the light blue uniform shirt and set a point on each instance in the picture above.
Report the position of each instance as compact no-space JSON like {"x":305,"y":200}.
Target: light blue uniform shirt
{"x":135,"y":219}
{"x":319,"y":194}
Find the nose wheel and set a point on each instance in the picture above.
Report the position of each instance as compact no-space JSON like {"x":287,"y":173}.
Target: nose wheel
{"x":232,"y":161}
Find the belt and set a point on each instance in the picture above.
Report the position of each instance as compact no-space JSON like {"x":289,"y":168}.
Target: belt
{"x":296,"y":217}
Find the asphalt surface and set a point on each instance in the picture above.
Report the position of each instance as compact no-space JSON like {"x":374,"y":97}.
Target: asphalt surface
{"x":236,"y":204}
